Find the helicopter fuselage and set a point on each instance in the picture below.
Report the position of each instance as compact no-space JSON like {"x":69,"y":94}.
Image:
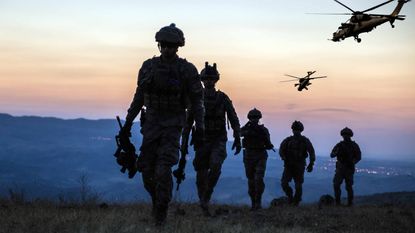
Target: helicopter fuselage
{"x":361,"y":22}
{"x":349,"y":29}
{"x":303,"y":83}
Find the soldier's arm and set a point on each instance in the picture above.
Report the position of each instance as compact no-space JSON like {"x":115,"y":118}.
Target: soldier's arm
{"x":335,"y":151}
{"x":268,"y":142}
{"x":233,"y":117}
{"x":138,"y":100}
{"x":311,"y":152}
{"x":188,"y":124}
{"x":282,"y":150}
{"x":195,"y":93}
{"x":245,"y":129}
{"x":357,"y":154}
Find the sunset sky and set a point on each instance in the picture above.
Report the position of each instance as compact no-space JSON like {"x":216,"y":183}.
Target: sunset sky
{"x":72,"y":59}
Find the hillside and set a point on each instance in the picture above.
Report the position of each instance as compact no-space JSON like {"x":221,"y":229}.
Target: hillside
{"x":45,"y":157}
{"x":43,"y":217}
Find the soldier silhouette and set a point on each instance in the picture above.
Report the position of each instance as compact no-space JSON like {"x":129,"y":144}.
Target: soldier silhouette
{"x":293,"y":151}
{"x":166,"y":84}
{"x":256,"y":141}
{"x":348,"y":154}
{"x":209,"y":157}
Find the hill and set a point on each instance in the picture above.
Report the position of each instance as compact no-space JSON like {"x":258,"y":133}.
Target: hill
{"x":45,"y":157}
{"x":42,"y":216}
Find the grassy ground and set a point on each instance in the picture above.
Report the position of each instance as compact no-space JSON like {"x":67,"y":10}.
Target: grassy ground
{"x":47,"y":217}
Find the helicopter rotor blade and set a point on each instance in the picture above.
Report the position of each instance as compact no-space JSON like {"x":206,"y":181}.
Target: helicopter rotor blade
{"x":329,"y":13}
{"x":398,"y":16}
{"x":372,"y":8}
{"x":318,"y":77}
{"x":350,"y":9}
{"x":292,"y":76}
{"x":288,"y":81}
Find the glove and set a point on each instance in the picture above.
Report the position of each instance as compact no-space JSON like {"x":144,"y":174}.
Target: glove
{"x":310,"y":167}
{"x":237,"y":145}
{"x":179,"y":174}
{"x":269,"y":147}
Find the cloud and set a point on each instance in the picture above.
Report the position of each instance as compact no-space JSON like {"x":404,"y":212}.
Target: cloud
{"x":344,"y":110}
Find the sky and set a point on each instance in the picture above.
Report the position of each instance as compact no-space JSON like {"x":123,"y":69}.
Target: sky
{"x":72,"y":59}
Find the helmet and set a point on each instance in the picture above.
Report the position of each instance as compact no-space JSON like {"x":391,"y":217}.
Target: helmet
{"x":209,"y":72}
{"x":346,"y":132}
{"x":297,"y":125}
{"x":254,"y":114}
{"x":170,"y":34}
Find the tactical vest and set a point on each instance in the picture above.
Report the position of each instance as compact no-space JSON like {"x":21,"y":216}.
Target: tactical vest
{"x":215,"y":121}
{"x":256,"y":137}
{"x":163,"y":86}
{"x":296,"y":149}
{"x":346,"y":153}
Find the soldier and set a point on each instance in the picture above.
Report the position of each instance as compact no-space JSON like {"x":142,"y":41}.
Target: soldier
{"x":348,"y":154}
{"x":256,"y":141}
{"x":210,"y":156}
{"x":293,"y":151}
{"x":165,"y":85}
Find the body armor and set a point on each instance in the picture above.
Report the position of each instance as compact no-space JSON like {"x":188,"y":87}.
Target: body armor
{"x":163,"y":86}
{"x":215,"y":121}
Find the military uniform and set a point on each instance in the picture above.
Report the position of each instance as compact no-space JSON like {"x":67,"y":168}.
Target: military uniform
{"x":293,"y":151}
{"x":210,"y":156}
{"x":348,"y":154}
{"x":256,"y":140}
{"x":164,"y":88}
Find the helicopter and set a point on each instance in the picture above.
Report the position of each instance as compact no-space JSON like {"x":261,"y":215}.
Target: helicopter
{"x":361,"y":22}
{"x":303,"y":82}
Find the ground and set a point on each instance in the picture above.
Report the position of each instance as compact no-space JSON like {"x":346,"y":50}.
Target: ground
{"x":44,"y":217}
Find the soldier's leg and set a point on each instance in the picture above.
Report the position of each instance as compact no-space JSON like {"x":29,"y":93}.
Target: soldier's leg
{"x":147,"y":159}
{"x":285,"y":180}
{"x":201,"y":166}
{"x":168,"y":156}
{"x":217,"y":156}
{"x":250,"y":175}
{"x":337,"y":181}
{"x":259,"y":180}
{"x":349,"y":188}
{"x":299,"y":180}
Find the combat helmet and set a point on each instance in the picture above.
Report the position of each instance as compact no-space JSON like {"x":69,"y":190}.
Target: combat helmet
{"x":297,"y":125}
{"x":346,"y":132}
{"x":170,"y":34}
{"x":209,"y":72}
{"x":254,"y":114}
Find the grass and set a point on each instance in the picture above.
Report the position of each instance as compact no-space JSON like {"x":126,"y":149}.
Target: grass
{"x":44,"y":216}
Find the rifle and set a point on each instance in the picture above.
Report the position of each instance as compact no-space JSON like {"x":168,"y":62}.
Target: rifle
{"x":179,"y":172}
{"x":125,"y":153}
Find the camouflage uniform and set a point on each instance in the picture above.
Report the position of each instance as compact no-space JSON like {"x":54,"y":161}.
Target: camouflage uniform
{"x":256,"y":140}
{"x":164,"y":88}
{"x":293,"y":151}
{"x":348,"y":154}
{"x":210,"y":156}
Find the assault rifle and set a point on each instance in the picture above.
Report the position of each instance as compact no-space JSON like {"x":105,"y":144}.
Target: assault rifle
{"x":125,"y":153}
{"x":179,"y":172}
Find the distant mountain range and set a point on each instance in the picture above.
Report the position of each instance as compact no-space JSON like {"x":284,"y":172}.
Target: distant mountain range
{"x":45,"y":157}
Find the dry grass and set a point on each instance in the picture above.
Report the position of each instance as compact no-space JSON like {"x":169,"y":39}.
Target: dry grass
{"x":44,"y":217}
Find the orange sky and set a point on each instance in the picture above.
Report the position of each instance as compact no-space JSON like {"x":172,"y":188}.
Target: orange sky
{"x":73,"y":61}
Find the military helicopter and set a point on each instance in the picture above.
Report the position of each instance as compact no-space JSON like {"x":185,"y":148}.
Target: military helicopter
{"x":361,"y":22}
{"x":303,"y":82}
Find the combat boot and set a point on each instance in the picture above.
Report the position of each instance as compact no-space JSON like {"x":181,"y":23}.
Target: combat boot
{"x":205,"y":208}
{"x":258,"y":203}
{"x":160,"y":216}
{"x":349,"y":202}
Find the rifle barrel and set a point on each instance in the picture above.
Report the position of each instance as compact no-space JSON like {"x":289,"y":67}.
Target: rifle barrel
{"x":119,"y":122}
